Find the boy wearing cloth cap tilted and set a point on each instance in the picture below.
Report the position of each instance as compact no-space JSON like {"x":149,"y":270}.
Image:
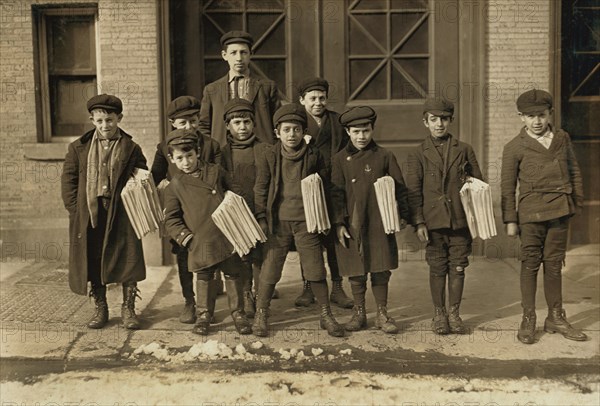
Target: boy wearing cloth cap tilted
{"x":437,"y":170}
{"x":239,"y":159}
{"x":190,"y":199}
{"x":280,"y":213}
{"x":182,"y":113}
{"x":541,"y":160}
{"x":362,"y":245}
{"x":238,"y":83}
{"x":325,"y":133}
{"x":103,"y":245}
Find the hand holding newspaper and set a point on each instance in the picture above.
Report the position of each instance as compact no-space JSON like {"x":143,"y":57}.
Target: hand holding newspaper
{"x":142,"y":204}
{"x":235,"y":220}
{"x":385,"y":192}
{"x":315,"y":207}
{"x":476,"y":198}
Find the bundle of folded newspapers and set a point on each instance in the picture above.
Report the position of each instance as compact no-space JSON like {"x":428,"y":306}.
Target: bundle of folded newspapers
{"x":385,"y":191}
{"x":476,"y":198}
{"x":234,"y":218}
{"x":315,"y":206}
{"x":142,"y":204}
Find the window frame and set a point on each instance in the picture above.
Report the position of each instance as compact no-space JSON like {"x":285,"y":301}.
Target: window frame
{"x":41,"y":65}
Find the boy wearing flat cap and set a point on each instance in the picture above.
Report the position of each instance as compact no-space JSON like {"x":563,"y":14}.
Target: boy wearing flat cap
{"x":437,"y":170}
{"x":541,"y":161}
{"x":103,"y":245}
{"x":362,"y":245}
{"x":239,"y":159}
{"x":182,"y":113}
{"x":279,"y":210}
{"x":238,"y":83}
{"x":190,"y":199}
{"x":325,"y":133}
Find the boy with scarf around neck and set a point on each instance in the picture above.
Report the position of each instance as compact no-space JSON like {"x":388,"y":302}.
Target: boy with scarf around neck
{"x":362,"y":245}
{"x":325,"y":133}
{"x":540,"y":162}
{"x":280,"y":212}
{"x":190,"y":199}
{"x":182,"y":113}
{"x":103,"y":247}
{"x":239,"y":159}
{"x":437,"y":170}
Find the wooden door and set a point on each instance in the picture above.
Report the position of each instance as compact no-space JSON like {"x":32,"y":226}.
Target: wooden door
{"x":578,"y":97}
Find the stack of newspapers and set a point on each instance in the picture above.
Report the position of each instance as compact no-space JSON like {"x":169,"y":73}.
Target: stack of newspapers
{"x":476,"y":198}
{"x":385,"y":191}
{"x":315,"y":207}
{"x":142,"y":204}
{"x":234,"y":218}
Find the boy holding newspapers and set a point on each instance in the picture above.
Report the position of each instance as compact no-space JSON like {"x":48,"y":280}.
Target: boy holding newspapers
{"x":437,"y":170}
{"x":280,"y":211}
{"x":365,"y":216}
{"x":190,"y":199}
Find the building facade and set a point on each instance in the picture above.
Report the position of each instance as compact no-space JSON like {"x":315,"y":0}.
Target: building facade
{"x":389,"y":54}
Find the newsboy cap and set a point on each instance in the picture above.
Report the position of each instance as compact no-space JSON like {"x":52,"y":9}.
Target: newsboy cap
{"x":183,"y":106}
{"x":290,"y":112}
{"x":310,"y":84}
{"x":107,"y":102}
{"x":358,"y":115}
{"x":237,"y":105}
{"x":438,"y":107}
{"x":237,"y":37}
{"x":534,"y":101}
{"x":182,"y":136}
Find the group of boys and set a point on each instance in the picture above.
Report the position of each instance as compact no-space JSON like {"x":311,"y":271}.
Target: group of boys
{"x":227,"y":142}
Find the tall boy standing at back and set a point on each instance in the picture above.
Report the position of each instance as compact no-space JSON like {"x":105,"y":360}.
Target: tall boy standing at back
{"x":437,"y":169}
{"x":238,"y":83}
{"x":542,"y":161}
{"x":103,"y":247}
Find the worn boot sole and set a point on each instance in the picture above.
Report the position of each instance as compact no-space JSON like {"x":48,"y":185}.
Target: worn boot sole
{"x":338,"y":332}
{"x":352,"y":327}
{"x":551,"y":330}
{"x":526,"y":339}
{"x":188,"y":316}
{"x":97,"y":325}
{"x":387,"y":328}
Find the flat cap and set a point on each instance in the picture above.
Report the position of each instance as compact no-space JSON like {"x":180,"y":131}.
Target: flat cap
{"x":182,"y":136}
{"x":290,"y":112}
{"x":237,"y":105}
{"x":439,"y":107}
{"x":183,"y":106}
{"x":534,"y":101}
{"x":310,"y":84}
{"x":237,"y":37}
{"x":358,"y":115}
{"x":107,"y":102}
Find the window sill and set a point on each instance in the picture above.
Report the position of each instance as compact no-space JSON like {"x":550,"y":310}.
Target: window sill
{"x":52,"y":151}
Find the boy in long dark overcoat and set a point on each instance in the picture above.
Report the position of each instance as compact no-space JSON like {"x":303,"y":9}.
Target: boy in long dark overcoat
{"x":238,"y":83}
{"x":279,"y":210}
{"x":190,"y":199}
{"x":437,"y":170}
{"x":240,"y":155}
{"x":541,"y":161}
{"x":103,"y":247}
{"x":325,"y":133}
{"x":182,"y":113}
{"x":363,"y":247}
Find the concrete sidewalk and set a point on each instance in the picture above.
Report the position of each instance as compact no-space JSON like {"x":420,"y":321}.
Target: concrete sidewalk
{"x":42,"y":320}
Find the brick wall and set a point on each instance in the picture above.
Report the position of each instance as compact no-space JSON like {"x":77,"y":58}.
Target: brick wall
{"x":33,"y":217}
{"x":518,"y":45}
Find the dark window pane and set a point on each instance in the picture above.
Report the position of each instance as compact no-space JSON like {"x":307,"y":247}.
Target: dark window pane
{"x":212,"y":32}
{"x":417,"y":69}
{"x":225,"y":5}
{"x":258,"y":24}
{"x":371,"y":5}
{"x":276,"y":5}
{"x":214,"y":69}
{"x":409,"y":4}
{"x":70,"y":44}
{"x":402,"y":24}
{"x":376,"y":26}
{"x":376,"y":88}
{"x":68,"y":97}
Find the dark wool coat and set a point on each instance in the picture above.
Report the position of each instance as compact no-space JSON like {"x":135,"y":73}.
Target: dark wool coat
{"x":162,"y":167}
{"x":550,"y":184}
{"x":434,"y":189}
{"x":189,"y":203}
{"x":264,"y":97}
{"x":122,"y":255}
{"x":354,"y":203}
{"x":268,"y":178}
{"x":330,"y":138}
{"x":242,"y":183}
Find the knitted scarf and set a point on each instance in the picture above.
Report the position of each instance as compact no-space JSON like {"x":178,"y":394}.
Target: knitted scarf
{"x":297,"y":154}
{"x":238,"y":144}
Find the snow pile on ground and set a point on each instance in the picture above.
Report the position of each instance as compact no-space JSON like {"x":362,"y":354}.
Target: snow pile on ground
{"x":215,"y":350}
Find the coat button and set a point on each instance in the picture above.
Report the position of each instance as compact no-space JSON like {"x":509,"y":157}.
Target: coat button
{"x":349,"y":158}
{"x":214,"y":192}
{"x":79,"y":235}
{"x":353,"y":180}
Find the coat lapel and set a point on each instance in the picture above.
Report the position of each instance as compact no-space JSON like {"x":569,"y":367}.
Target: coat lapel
{"x":205,"y":180}
{"x":453,"y":153}
{"x":430,"y":153}
{"x":528,"y":142}
{"x":253,"y":85}
{"x":224,"y":88}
